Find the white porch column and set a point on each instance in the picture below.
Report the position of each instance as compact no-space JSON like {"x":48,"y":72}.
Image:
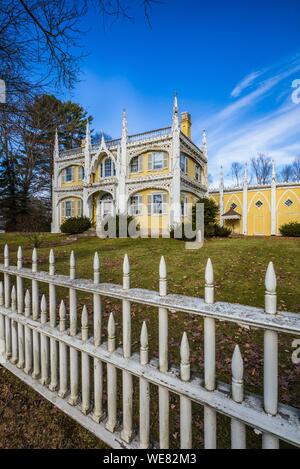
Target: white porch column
{"x":245,"y":202}
{"x":175,"y":208}
{"x":273,"y":202}
{"x":221,"y":197}
{"x":121,"y":202}
{"x":86,"y":204}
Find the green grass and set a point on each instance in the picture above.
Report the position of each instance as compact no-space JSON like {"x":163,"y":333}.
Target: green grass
{"x":239,"y":266}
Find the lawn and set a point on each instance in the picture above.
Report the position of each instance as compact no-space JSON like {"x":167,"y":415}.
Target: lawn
{"x":239,"y":266}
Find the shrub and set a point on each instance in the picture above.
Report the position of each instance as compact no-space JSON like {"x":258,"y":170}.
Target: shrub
{"x":76,"y":225}
{"x":290,"y":229}
{"x":222,"y":231}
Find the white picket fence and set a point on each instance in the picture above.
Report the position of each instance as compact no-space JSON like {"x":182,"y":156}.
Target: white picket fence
{"x":67,"y":366}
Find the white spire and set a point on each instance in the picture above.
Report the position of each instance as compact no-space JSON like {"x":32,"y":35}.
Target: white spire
{"x":124,"y":125}
{"x":102,"y":139}
{"x":246,"y":174}
{"x":273,"y":171}
{"x":56,"y":145}
{"x":175,"y":125}
{"x":204,"y":143}
{"x":221,"y":176}
{"x":88,"y":140}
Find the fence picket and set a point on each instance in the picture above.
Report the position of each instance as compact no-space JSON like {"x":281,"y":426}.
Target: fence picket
{"x":14,"y":330}
{"x":52,"y":316}
{"x":85,"y":365}
{"x":270,"y":357}
{"x":185,"y":403}
{"x":35,"y":316}
{"x":44,"y":345}
{"x":144,"y":392}
{"x":210,"y":415}
{"x":2,"y":322}
{"x":111,"y":378}
{"x":238,"y":429}
{"x":126,"y":377}
{"x":63,"y":354}
{"x":28,"y":336}
{"x":74,"y":378}
{"x":97,"y":414}
{"x":7,"y":298}
{"x":20,"y":308}
{"x":163,"y":359}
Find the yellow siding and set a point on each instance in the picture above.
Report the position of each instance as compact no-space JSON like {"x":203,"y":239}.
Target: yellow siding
{"x":144,"y":165}
{"x":237,"y":199}
{"x":287,"y":214}
{"x":155,"y":222}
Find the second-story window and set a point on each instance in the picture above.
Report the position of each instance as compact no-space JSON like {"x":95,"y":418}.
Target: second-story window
{"x":81,"y":173}
{"x":184,"y":164}
{"x":135,"y":164}
{"x":197,"y":172}
{"x":157,"y":161}
{"x":69,"y":174}
{"x":107,"y":168}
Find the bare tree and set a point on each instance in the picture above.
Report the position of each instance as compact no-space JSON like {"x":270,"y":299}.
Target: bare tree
{"x":236,"y":171}
{"x":286,"y":174}
{"x":296,"y":169}
{"x":262,"y":168}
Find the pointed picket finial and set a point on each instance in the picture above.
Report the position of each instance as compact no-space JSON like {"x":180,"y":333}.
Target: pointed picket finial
{"x":20,"y":258}
{"x":237,"y":364}
{"x":144,"y":351}
{"x":6,"y":256}
{"x":96,"y":267}
{"x":237,"y":367}
{"x":13,"y":298}
{"x":111,"y":330}
{"x":209,"y":283}
{"x":84,"y":324}
{"x":27,"y":303}
{"x":185,"y":368}
{"x":126,"y":273}
{"x":72,"y":265}
{"x":51,"y":262}
{"x":162,"y":277}
{"x":270,"y":295}
{"x":1,"y":294}
{"x":43,"y":310}
{"x":62,"y":316}
{"x":34,"y":260}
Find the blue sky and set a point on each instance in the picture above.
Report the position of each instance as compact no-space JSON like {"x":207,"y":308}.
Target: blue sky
{"x":231,"y":62}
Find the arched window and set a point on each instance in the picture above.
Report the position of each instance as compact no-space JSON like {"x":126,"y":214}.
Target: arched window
{"x":107,"y":168}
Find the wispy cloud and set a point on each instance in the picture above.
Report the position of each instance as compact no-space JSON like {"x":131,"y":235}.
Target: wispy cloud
{"x":263,"y":120}
{"x":245,"y":83}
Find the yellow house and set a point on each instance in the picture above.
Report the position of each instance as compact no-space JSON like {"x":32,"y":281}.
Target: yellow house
{"x":258,"y":210}
{"x":153,"y":176}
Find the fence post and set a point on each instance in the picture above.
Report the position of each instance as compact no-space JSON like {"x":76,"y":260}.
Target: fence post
{"x":270,"y":357}
{"x":85,"y":365}
{"x":20,"y":307}
{"x":14,"y":332}
{"x":163,"y":360}
{"x":63,"y":354}
{"x":73,"y":331}
{"x":111,"y":378}
{"x":35,"y":317}
{"x":126,"y":377}
{"x":2,"y":323}
{"x":28,"y":335}
{"x":238,"y":429}
{"x":52,"y":315}
{"x":97,"y":414}
{"x":210,"y":415}
{"x":185,"y":403}
{"x":44,"y":345}
{"x":7,"y":298}
{"x":144,"y":392}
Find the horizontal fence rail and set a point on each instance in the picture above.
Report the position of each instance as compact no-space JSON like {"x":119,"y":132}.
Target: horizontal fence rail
{"x":55,"y":353}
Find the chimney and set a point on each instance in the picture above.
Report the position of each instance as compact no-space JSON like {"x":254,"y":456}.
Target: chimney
{"x":186,"y":124}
